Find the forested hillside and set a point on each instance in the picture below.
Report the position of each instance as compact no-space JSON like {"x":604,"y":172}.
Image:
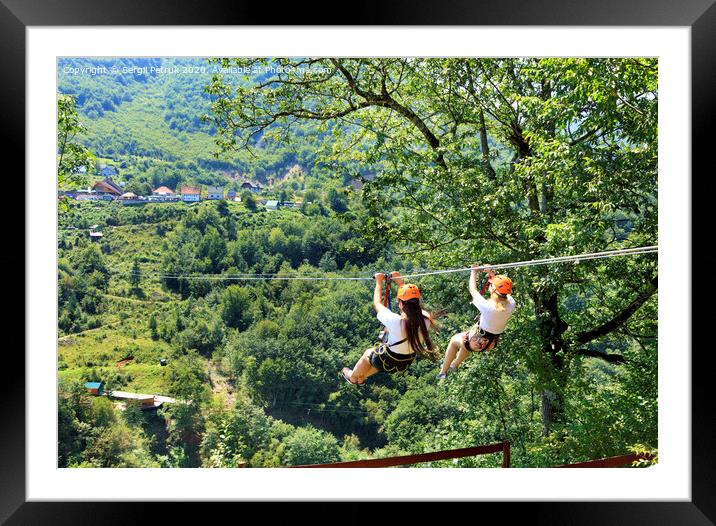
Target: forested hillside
{"x":145,"y":117}
{"x":260,"y":360}
{"x":489,"y":160}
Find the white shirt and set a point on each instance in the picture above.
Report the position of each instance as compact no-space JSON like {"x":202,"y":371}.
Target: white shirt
{"x":396,"y":330}
{"x":491,"y":319}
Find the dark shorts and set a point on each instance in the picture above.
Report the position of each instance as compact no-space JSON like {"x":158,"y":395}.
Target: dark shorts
{"x":386,"y":360}
{"x":480,"y":342}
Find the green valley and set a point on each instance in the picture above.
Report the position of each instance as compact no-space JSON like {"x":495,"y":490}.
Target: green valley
{"x":243,"y":308}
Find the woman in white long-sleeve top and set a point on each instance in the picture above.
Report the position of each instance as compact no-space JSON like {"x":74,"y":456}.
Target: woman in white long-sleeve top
{"x":495,"y":312}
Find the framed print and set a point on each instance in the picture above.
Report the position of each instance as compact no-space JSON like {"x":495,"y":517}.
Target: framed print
{"x":214,"y":212}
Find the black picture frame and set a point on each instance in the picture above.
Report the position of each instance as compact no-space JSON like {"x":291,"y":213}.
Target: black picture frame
{"x":698,"y":15}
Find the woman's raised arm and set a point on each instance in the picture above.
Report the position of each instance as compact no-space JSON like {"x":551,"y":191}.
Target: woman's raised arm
{"x":473,"y":282}
{"x":378,"y":292}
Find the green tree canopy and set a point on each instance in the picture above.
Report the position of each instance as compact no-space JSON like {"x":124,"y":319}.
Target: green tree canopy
{"x":492,"y":159}
{"x":235,"y":307}
{"x":308,"y":445}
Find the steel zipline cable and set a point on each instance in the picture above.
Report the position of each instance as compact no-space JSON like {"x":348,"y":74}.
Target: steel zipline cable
{"x":322,"y":277}
{"x":548,"y":261}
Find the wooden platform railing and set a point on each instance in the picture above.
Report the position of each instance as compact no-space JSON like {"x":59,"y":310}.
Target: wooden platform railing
{"x":405,"y":460}
{"x":503,"y":447}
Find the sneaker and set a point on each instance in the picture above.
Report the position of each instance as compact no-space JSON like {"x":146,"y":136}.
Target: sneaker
{"x":452,"y":369}
{"x":442,"y":376}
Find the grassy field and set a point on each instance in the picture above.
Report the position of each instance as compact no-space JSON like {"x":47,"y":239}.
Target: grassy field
{"x":83,"y":356}
{"x":124,"y":332}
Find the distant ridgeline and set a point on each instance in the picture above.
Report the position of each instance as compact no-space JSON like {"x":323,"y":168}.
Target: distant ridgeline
{"x":145,"y":116}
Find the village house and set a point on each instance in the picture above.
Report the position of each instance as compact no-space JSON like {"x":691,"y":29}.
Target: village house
{"x":144,"y":401}
{"x":107,"y":187}
{"x":215,"y":192}
{"x":231,"y":195}
{"x":163,"y":194}
{"x":190,"y":194}
{"x":272,"y":205}
{"x":163,"y":191}
{"x":107,"y":170}
{"x":95,"y":388}
{"x":253,"y":188}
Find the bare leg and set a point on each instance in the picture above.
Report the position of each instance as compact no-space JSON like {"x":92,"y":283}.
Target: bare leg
{"x":464,"y":353}
{"x":450,"y":352}
{"x":363,"y":368}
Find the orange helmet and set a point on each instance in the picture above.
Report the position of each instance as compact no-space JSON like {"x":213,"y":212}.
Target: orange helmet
{"x":502,"y":284}
{"x":408,"y":292}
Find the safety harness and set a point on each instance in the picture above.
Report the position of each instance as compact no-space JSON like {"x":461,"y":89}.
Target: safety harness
{"x":484,"y":341}
{"x":386,"y":360}
{"x":383,"y":357}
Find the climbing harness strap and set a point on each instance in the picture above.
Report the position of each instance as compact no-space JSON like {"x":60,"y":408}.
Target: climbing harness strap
{"x":385,"y":347}
{"x":386,"y":360}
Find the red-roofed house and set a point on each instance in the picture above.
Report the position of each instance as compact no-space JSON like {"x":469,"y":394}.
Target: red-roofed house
{"x":189,"y":193}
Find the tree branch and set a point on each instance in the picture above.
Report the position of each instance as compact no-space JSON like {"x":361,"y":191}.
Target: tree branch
{"x":620,"y":318}
{"x":385,"y":100}
{"x":611,"y":358}
{"x":485,"y":148}
{"x":584,"y":137}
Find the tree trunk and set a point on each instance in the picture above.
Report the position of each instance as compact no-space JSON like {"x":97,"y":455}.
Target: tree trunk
{"x":523,"y":151}
{"x":485,"y":148}
{"x":549,"y":403}
{"x":542,"y":198}
{"x":551,"y":329}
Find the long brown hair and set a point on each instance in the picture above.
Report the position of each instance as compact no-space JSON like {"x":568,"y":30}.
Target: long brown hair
{"x":416,"y":327}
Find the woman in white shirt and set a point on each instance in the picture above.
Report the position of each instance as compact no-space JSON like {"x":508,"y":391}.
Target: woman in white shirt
{"x":408,"y":334}
{"x":494,"y":315}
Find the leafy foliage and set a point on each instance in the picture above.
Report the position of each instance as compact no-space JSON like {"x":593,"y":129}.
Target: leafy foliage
{"x":505,"y":159}
{"x":461,"y":159}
